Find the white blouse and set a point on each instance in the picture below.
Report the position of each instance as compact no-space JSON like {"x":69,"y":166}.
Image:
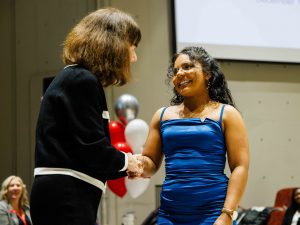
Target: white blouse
{"x":295,"y":218}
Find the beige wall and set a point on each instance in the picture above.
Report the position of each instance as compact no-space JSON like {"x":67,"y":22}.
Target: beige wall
{"x":268,"y":95}
{"x":7,"y":91}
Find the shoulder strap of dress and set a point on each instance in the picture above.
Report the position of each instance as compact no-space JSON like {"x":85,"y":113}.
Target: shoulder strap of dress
{"x":162,"y":114}
{"x":221,"y":114}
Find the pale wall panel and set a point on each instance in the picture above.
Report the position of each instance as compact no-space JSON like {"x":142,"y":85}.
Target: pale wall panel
{"x":271,"y":111}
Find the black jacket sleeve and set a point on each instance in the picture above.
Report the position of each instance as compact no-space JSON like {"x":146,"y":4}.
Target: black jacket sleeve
{"x":84,"y":107}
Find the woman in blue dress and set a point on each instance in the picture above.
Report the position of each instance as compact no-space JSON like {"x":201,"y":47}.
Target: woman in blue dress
{"x":195,"y":134}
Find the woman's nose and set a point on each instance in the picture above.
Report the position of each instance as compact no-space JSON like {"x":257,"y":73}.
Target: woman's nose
{"x":133,"y":57}
{"x":180,"y":72}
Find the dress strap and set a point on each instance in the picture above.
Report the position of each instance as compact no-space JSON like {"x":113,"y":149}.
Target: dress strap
{"x":162,"y":114}
{"x":221,"y":114}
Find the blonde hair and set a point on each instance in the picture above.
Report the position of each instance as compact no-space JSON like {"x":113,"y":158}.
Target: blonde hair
{"x":100,"y":42}
{"x":4,"y":189}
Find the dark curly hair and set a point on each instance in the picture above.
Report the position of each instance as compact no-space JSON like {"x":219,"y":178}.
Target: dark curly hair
{"x":218,"y":89}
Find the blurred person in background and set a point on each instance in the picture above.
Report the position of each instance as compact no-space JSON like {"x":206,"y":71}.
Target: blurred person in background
{"x":14,"y":204}
{"x":292,"y":214}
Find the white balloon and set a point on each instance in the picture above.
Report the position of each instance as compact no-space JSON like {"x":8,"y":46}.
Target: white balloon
{"x":137,"y":186}
{"x":136,"y":133}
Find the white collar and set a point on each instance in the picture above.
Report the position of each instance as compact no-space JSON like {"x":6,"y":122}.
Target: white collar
{"x":70,"y":65}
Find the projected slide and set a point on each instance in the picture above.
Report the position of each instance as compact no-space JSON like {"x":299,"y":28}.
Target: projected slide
{"x":256,"y":30}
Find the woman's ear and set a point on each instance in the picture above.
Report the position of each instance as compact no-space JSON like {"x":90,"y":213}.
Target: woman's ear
{"x":207,"y":77}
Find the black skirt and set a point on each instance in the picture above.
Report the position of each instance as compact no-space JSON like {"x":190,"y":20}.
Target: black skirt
{"x":63,"y":200}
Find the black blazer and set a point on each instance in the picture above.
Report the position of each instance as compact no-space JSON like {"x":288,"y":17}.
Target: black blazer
{"x":71,"y":132}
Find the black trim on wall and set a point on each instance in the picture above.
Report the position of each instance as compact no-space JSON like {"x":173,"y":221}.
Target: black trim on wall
{"x":172,"y":27}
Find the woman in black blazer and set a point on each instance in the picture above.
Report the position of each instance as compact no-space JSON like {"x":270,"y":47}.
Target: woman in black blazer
{"x":73,"y":155}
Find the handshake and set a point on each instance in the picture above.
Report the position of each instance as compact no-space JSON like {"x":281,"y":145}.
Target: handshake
{"x":136,"y":164}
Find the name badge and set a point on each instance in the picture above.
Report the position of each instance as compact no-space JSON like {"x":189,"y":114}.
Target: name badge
{"x":105,"y":115}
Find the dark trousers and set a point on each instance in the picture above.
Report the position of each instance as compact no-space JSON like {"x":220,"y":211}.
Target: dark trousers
{"x":63,"y":200}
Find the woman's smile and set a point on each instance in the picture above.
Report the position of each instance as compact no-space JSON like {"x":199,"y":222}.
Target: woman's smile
{"x":184,"y":83}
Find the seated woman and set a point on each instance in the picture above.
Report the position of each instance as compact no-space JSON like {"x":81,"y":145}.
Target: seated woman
{"x":14,"y":205}
{"x":292,"y":214}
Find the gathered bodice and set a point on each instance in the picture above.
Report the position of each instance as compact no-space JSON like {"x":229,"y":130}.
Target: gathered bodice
{"x":193,"y":145}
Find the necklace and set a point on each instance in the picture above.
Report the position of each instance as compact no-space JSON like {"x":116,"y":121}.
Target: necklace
{"x":201,"y":111}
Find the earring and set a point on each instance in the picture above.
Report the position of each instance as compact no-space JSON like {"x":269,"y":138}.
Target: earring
{"x":208,"y":85}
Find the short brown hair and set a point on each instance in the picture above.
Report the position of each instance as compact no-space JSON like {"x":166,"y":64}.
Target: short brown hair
{"x":100,"y":42}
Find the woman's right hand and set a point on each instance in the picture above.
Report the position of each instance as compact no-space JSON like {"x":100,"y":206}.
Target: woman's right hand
{"x":135,"y":166}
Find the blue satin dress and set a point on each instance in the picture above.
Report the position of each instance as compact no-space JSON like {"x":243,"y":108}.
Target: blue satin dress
{"x":195,"y":185}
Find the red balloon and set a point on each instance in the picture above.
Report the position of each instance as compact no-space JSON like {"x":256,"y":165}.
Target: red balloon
{"x":118,"y":186}
{"x":122,"y":146}
{"x":116,"y":131}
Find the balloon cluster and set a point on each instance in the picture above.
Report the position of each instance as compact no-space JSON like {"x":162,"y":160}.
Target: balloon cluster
{"x":128,"y":135}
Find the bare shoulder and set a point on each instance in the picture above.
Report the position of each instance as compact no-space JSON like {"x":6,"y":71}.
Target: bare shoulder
{"x":171,"y":112}
{"x":159,"y":111}
{"x":166,"y":111}
{"x":231,"y":114}
{"x":231,"y":111}
{"x":157,"y":115}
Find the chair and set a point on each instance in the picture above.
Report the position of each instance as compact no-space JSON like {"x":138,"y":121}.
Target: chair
{"x":282,"y":202}
{"x":152,"y":218}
